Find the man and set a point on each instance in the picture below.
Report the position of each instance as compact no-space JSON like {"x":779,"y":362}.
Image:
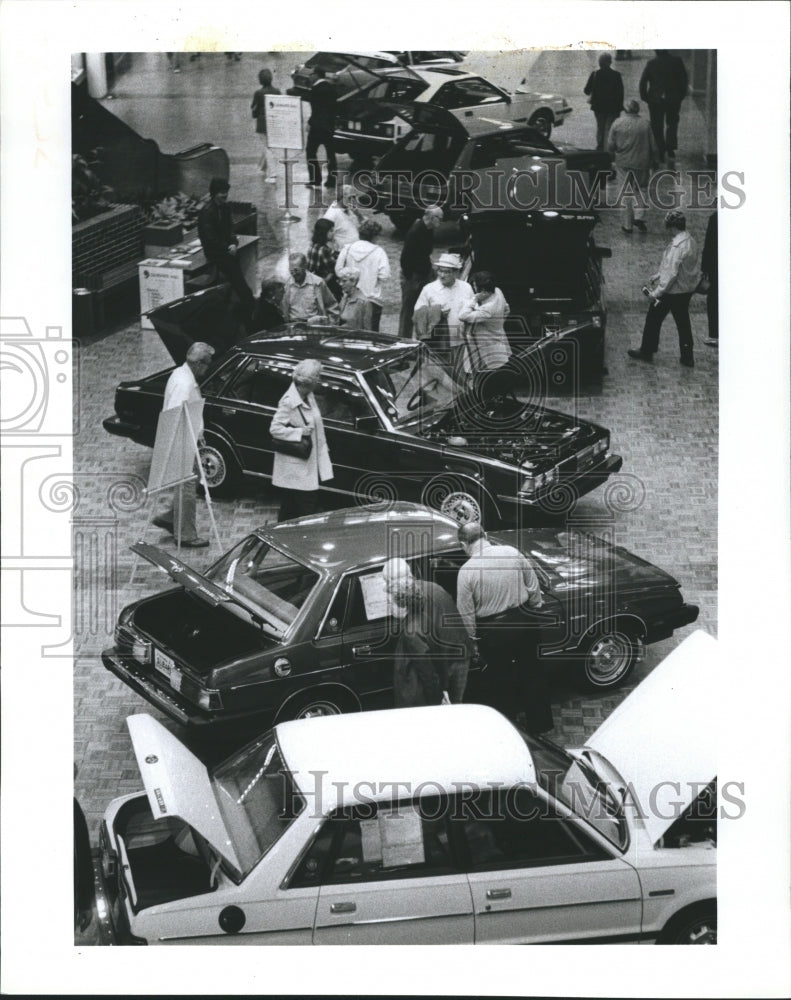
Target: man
{"x":439,"y":304}
{"x":416,"y":269}
{"x":670,"y":290}
{"x":709,"y":268}
{"x":219,"y":242}
{"x":663,"y":86}
{"x":632,"y":143}
{"x":182,"y":387}
{"x":494,"y":587}
{"x":345,"y":216}
{"x":321,"y":128}
{"x":431,"y":659}
{"x":306,"y":296}
{"x":605,"y":89}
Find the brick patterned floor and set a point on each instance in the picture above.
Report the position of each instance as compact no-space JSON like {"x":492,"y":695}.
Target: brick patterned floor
{"x":662,"y":417}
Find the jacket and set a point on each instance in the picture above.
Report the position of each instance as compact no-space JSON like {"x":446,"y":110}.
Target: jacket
{"x":631,"y":141}
{"x":258,"y":107}
{"x":311,"y":298}
{"x":346,"y":221}
{"x":373,"y":264}
{"x":322,"y":100}
{"x":487,"y":343}
{"x":417,"y":250}
{"x":215,"y":231}
{"x":605,"y":87}
{"x":292,"y":414}
{"x":355,"y":311}
{"x":664,"y":80}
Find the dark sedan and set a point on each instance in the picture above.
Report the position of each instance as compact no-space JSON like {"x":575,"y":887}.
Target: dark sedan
{"x":398,"y":425}
{"x":294,"y":620}
{"x":478,"y":163}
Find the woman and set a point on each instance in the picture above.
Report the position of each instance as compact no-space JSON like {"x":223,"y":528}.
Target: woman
{"x":486,"y":343}
{"x":267,"y":314}
{"x":322,"y":256}
{"x":355,"y":309}
{"x":373,"y":264}
{"x":297,"y":417}
{"x":258,"y":107}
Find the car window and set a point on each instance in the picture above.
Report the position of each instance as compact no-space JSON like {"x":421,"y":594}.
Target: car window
{"x":333,"y":623}
{"x":467,"y":94}
{"x":338,"y":404}
{"x":514,"y":828}
{"x":379,"y":842}
{"x":257,"y":383}
{"x":213,"y":385}
{"x":368,"y":600}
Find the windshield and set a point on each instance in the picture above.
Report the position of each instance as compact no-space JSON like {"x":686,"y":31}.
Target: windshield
{"x":577,"y":784}
{"x":268,"y":582}
{"x":413,"y":387}
{"x":257,"y":799}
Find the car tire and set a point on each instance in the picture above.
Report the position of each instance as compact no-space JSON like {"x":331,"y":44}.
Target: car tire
{"x":311,"y":705}
{"x":542,"y":122}
{"x":697,"y":926}
{"x":609,"y":657}
{"x":222,"y":472}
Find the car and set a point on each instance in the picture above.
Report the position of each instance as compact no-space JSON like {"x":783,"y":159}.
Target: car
{"x":293,"y":620}
{"x":372,"y":118}
{"x":398,"y":424}
{"x":549,"y":267}
{"x":485,"y":163}
{"x":349,"y":70}
{"x":438,"y":825}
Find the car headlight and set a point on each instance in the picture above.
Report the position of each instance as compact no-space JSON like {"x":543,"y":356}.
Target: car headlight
{"x":210,"y":700}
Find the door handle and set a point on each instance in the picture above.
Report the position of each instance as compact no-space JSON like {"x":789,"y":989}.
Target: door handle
{"x":343,"y":907}
{"x":227,"y":411}
{"x":498,"y":893}
{"x":361,"y":650}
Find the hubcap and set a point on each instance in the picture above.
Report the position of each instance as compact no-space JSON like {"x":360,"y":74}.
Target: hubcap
{"x":461,"y":507}
{"x":213,"y":466}
{"x":703,"y":933}
{"x":609,"y":658}
{"x":317,"y":709}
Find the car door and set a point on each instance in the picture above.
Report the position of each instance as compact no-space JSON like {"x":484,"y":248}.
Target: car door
{"x":389,"y":875}
{"x":538,"y":876}
{"x":369,"y":638}
{"x":470,"y":96}
{"x":349,"y":438}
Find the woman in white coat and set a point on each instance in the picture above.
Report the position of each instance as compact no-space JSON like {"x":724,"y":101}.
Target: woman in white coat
{"x":298,"y":416}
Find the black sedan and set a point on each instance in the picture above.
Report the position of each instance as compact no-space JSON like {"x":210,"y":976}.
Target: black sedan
{"x":294,"y":620}
{"x":398,"y":424}
{"x":461,"y":164}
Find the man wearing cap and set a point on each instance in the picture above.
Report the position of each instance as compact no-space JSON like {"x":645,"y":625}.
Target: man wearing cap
{"x":632,"y":143}
{"x":670,"y":290}
{"x":431,"y":658}
{"x":605,"y":91}
{"x":416,"y":269}
{"x":440,"y":302}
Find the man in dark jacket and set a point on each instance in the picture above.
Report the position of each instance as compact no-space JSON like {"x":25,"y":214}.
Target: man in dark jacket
{"x":219,"y":242}
{"x":605,"y":89}
{"x":416,"y":267}
{"x":433,"y":650}
{"x":663,"y":86}
{"x":321,"y":127}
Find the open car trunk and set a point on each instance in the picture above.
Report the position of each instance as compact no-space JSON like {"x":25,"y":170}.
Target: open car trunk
{"x":209,"y":316}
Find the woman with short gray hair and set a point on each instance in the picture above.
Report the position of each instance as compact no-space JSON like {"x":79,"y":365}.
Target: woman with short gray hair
{"x":355,"y":309}
{"x":299,"y":467}
{"x":373,"y":264}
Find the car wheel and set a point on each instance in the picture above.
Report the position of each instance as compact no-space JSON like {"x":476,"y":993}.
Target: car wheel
{"x":220,"y":468}
{"x":313,"y":707}
{"x":610,"y":656}
{"x":462,"y":507}
{"x":699,"y":927}
{"x":542,"y":122}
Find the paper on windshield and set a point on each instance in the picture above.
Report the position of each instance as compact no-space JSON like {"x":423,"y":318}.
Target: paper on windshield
{"x":375,"y":598}
{"x":402,"y":837}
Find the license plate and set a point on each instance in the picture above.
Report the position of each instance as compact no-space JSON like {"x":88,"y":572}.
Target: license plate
{"x":163,"y":663}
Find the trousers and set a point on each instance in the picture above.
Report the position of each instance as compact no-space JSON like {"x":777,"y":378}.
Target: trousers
{"x":320,"y":136}
{"x":678,"y":305}
{"x":664,"y":124}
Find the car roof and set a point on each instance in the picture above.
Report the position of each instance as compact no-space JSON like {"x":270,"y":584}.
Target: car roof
{"x":334,"y":346}
{"x":362,"y":756}
{"x":366,"y":535}
{"x":433,"y":75}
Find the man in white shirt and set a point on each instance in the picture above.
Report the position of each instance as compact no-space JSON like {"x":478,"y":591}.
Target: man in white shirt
{"x":496,"y":590}
{"x":182,"y":387}
{"x":440,"y":302}
{"x":670,"y":290}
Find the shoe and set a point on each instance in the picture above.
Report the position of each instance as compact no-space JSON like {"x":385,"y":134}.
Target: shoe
{"x":639,"y":224}
{"x":687,"y":362}
{"x":162,"y":522}
{"x":711,"y":342}
{"x":639,"y":356}
{"x":625,"y":230}
{"x":195,"y":543}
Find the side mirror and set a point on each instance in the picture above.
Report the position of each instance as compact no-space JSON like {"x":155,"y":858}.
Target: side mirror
{"x":368,"y":424}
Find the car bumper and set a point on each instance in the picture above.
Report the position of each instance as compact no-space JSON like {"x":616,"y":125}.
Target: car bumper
{"x":665,"y":626}
{"x":124,"y":428}
{"x":583,"y":483}
{"x":561,"y":114}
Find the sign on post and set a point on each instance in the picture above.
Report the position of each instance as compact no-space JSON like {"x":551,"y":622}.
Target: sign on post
{"x":283,"y":122}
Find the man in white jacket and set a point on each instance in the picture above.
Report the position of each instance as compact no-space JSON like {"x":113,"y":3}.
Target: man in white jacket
{"x":345,"y":216}
{"x":371,"y":260}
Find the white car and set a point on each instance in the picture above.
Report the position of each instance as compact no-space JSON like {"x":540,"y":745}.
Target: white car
{"x":427,"y":826}
{"x":368,"y":122}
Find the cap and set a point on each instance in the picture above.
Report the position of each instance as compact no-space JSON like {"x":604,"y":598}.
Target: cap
{"x":449,"y":260}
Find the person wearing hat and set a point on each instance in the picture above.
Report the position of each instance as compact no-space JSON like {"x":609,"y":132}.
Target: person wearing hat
{"x":605,"y":96}
{"x":371,"y":260}
{"x":345,"y":216}
{"x":631,"y":141}
{"x":670,"y":290}
{"x":438,"y":307}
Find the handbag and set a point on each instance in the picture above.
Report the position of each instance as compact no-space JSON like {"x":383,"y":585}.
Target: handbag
{"x":297,"y":449}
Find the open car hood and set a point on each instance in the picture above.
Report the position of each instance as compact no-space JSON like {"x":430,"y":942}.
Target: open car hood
{"x":420,"y":115}
{"x":177,"y":783}
{"x":209,"y":316}
{"x":662,"y":738}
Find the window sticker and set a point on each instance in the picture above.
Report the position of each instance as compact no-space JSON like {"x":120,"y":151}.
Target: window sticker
{"x":371,"y":840}
{"x":402,"y":837}
{"x":375,"y":599}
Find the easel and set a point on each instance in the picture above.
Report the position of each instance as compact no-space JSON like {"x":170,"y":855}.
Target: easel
{"x":169,"y":452}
